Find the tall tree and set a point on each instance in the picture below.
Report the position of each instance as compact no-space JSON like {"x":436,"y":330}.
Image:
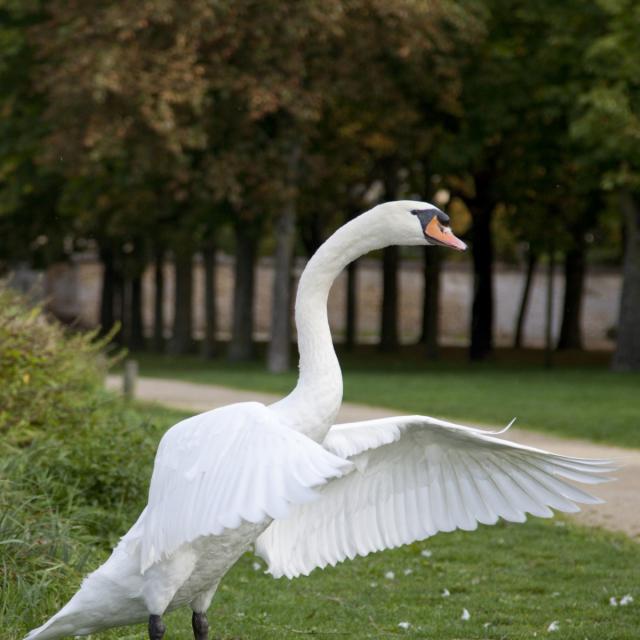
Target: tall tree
{"x":278,"y":355}
{"x":209,"y":347}
{"x":107,"y":294}
{"x":138,"y":93}
{"x":399,"y":80}
{"x":158,"y":299}
{"x":607,"y":125}
{"x":518,"y":94}
{"x":482,"y":206}
{"x":136,"y":341}
{"x":518,"y":333}
{"x":389,"y":308}
{"x":181,"y":338}
{"x":124,"y":97}
{"x":389,"y":338}
{"x":29,"y":192}
{"x":430,"y":330}
{"x":574,"y":273}
{"x":627,"y":355}
{"x":279,"y":352}
{"x":241,"y":345}
{"x":270,"y":84}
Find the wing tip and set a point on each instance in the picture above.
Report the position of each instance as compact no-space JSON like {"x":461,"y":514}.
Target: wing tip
{"x":505,"y":429}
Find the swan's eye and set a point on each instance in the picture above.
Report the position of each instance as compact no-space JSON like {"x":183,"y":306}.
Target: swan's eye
{"x":443,"y":218}
{"x":425,"y":215}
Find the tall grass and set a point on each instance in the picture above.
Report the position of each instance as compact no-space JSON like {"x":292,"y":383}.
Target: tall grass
{"x":74,"y":462}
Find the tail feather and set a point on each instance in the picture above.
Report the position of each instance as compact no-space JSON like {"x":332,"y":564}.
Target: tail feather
{"x":109,"y":597}
{"x":66,"y":622}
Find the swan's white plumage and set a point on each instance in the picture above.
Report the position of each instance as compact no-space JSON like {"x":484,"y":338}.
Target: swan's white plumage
{"x":220,"y":477}
{"x":220,"y":468}
{"x":414,"y":476}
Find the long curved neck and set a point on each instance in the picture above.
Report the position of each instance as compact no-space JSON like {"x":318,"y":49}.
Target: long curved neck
{"x":317,"y":397}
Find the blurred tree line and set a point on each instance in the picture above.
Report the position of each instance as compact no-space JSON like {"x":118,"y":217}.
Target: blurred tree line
{"x":159,"y":130}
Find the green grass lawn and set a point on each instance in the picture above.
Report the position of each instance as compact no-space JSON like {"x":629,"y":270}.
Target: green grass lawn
{"x":578,"y":398}
{"x":514,"y":580}
{"x":75,"y":463}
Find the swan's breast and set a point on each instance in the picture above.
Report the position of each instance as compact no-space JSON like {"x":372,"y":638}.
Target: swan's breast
{"x":214,"y":556}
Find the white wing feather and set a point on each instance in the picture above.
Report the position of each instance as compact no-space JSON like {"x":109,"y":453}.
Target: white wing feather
{"x":226,"y":466}
{"x":414,"y":476}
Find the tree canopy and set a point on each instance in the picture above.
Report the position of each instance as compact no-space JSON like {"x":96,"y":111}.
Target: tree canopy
{"x":155,"y":127}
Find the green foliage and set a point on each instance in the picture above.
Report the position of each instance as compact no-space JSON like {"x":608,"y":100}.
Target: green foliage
{"x":28,"y":191}
{"x":607,"y":118}
{"x":144,"y":123}
{"x":74,"y":461}
{"x":518,"y":96}
{"x":41,"y":369}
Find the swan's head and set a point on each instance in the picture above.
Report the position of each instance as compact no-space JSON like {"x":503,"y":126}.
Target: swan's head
{"x":411,"y":222}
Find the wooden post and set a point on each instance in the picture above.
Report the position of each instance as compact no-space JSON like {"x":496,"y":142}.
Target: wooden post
{"x":130,"y":378}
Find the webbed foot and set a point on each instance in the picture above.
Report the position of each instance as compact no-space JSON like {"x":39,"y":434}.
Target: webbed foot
{"x":156,"y":627}
{"x":200,"y":626}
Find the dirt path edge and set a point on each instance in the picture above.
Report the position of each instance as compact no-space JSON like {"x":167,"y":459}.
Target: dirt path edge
{"x":619,"y":513}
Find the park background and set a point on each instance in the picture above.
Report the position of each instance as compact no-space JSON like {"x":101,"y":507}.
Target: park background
{"x":167,"y":168}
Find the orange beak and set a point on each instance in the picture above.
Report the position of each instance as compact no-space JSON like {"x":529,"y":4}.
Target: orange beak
{"x":443,"y":235}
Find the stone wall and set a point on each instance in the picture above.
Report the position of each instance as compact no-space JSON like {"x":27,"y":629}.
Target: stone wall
{"x":73,"y":291}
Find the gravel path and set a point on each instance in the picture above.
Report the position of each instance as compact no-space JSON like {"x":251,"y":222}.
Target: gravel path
{"x":619,"y":513}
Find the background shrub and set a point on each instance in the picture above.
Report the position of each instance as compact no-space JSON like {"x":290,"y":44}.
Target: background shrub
{"x":74,"y":461}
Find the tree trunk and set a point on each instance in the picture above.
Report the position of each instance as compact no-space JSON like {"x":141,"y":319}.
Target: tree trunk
{"x":241,"y":345}
{"x":390,"y":262}
{"x":136,"y":336}
{"x":351,"y":293}
{"x":532,"y":260}
{"x":351,"y":306}
{"x":312,"y":233}
{"x":627,"y":354}
{"x":432,"y":263}
{"x":183,"y":299}
{"x":279,"y":353}
{"x":209,"y":345}
{"x":107,"y":296}
{"x":158,"y":302}
{"x":548,"y":348}
{"x":482,"y":308}
{"x":574,"y":274}
{"x":120,"y":305}
{"x":389,"y":316}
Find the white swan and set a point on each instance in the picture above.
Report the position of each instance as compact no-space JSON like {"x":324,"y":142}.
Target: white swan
{"x":305,"y":492}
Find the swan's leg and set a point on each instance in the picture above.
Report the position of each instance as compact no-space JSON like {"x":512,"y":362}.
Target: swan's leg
{"x":200,"y":604}
{"x":161,"y":582}
{"x":200,"y":626}
{"x":156,"y":627}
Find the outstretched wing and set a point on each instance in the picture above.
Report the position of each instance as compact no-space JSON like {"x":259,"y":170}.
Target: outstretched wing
{"x":226,"y":466}
{"x":414,"y":476}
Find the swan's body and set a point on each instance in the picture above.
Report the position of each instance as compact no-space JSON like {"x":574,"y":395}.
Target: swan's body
{"x":307,"y":492}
